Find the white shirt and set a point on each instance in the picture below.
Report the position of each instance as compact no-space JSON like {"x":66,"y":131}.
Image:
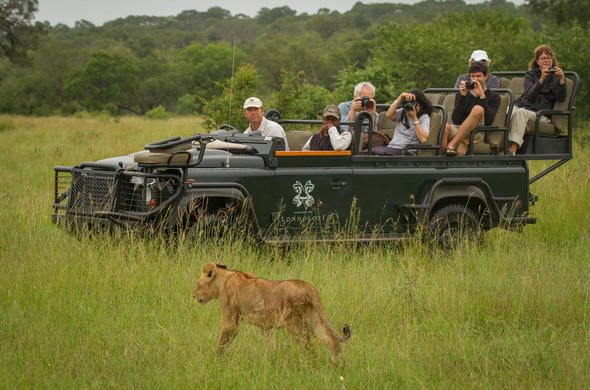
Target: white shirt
{"x":270,"y":129}
{"x":339,"y":141}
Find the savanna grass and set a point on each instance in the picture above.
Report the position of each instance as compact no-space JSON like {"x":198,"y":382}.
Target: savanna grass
{"x":116,"y":310}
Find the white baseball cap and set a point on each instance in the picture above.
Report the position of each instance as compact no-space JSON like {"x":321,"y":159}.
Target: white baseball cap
{"x":252,"y":102}
{"x":480,"y":55}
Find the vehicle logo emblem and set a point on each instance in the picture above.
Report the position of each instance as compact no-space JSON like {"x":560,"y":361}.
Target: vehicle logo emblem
{"x":306,"y":199}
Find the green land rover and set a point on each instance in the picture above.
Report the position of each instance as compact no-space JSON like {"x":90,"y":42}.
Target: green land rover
{"x":283,"y":195}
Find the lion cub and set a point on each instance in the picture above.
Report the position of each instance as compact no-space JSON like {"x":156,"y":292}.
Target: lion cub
{"x":293,"y":304}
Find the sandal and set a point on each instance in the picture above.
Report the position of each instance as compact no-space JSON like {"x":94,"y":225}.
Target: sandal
{"x":451,"y":152}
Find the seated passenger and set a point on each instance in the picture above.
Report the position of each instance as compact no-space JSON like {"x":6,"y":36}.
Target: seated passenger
{"x":329,"y":136}
{"x":254,"y":113}
{"x":544,"y":84}
{"x":412,"y":110}
{"x":350,"y":108}
{"x":479,"y":56}
{"x":475,"y":105}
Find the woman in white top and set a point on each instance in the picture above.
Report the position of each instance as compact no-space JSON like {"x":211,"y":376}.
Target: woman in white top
{"x":329,"y":136}
{"x":412,"y":110}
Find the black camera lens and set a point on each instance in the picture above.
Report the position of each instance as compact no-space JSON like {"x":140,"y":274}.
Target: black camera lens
{"x":469,"y":84}
{"x":366,"y":102}
{"x":552,"y":70}
{"x":408,"y":105}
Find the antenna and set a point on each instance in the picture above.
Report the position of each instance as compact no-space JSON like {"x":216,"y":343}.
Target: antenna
{"x":231,"y":87}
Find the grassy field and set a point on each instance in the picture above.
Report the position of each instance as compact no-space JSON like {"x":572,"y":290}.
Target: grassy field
{"x":117,"y":312}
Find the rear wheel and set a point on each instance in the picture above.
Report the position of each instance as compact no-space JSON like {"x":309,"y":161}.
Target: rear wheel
{"x":452,"y":224}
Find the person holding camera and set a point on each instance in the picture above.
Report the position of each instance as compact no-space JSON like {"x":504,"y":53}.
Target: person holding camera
{"x":544,"y":84}
{"x":475,"y":105}
{"x":479,"y":56}
{"x":364,"y":100}
{"x":412,"y":112}
{"x":329,"y":136}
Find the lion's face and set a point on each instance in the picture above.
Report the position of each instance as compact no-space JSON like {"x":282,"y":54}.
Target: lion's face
{"x":206,"y":288}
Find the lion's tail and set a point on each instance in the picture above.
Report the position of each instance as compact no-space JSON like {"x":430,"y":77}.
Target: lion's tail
{"x":346,"y":331}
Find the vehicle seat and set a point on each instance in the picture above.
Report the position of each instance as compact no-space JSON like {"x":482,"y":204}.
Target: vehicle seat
{"x":517,"y":87}
{"x":435,"y":98}
{"x":298,"y":138}
{"x":386,"y":125}
{"x":436,"y":127}
{"x":493,"y":141}
{"x":558,"y":121}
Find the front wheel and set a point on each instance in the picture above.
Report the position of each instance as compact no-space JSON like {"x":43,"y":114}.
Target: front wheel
{"x":452,"y":224}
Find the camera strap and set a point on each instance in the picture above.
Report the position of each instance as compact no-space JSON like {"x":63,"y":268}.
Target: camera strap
{"x":405,"y":121}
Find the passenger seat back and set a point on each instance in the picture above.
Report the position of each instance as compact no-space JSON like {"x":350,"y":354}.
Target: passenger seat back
{"x":435,"y":127}
{"x":298,"y":138}
{"x":449,"y":104}
{"x":560,"y":121}
{"x":496,"y":138}
{"x":517,"y":87}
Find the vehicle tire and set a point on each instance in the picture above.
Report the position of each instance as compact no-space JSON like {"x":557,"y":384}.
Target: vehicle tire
{"x":451,"y":224}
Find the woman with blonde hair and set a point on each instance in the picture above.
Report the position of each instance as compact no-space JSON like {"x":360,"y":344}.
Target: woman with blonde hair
{"x":544,"y":84}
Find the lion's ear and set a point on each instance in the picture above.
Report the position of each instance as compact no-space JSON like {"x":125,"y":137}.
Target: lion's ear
{"x":221,"y":265}
{"x":209,"y":269}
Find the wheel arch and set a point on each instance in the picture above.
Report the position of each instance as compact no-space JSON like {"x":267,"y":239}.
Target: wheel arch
{"x":213,"y":199}
{"x":474,"y":194}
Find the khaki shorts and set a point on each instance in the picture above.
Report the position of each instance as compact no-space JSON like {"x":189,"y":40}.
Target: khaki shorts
{"x":479,"y":137}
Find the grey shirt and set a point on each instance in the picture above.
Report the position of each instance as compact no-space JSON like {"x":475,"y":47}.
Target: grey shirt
{"x":493,"y":81}
{"x":403,"y":136}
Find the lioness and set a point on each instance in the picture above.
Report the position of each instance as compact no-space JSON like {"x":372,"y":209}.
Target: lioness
{"x":293,"y":304}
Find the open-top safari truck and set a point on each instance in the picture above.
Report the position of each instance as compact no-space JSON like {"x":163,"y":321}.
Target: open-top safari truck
{"x":196,"y":182}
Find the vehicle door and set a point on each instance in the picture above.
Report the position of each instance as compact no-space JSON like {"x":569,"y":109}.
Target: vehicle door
{"x":312,"y":193}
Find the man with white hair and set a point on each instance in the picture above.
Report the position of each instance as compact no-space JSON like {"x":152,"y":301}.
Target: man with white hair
{"x":364,"y":100}
{"x":480,"y":56}
{"x":254,"y":113}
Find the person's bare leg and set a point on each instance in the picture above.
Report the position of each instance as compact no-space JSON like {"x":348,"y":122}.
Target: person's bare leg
{"x":445,"y":138}
{"x":471,"y":122}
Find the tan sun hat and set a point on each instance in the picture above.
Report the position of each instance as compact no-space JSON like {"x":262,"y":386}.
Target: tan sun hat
{"x":331,"y":110}
{"x":252,"y":102}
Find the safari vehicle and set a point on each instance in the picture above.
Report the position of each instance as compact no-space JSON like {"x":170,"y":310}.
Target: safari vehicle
{"x":198,"y":181}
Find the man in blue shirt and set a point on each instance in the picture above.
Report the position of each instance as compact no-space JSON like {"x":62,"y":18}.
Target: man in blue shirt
{"x":350,"y":108}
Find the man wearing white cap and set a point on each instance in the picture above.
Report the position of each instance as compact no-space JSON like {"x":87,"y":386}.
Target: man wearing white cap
{"x":479,"y":56}
{"x":254,"y":113}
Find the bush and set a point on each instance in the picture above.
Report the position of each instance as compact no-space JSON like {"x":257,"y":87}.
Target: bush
{"x":158,"y":112}
{"x":227,"y":108}
{"x":187,"y":104}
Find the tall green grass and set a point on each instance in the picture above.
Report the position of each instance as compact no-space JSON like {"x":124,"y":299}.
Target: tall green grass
{"x":112,"y":311}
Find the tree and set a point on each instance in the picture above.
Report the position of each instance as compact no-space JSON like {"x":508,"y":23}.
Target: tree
{"x":107,"y":79}
{"x":563,"y":11}
{"x":227,"y":108}
{"x":17,"y":33}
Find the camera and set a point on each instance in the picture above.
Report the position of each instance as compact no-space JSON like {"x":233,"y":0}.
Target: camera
{"x":408,"y":105}
{"x":552,"y":70}
{"x":366,"y":102}
{"x":469,"y":84}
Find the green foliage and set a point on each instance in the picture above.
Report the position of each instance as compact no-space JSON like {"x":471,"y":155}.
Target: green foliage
{"x":161,"y":59}
{"x":433,"y":54}
{"x":187,"y":104}
{"x":227,"y":107}
{"x":158,"y":112}
{"x":17,"y":31}
{"x":299,"y":99}
{"x":106,"y":78}
{"x":562,"y":11}
{"x":205,"y":66}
